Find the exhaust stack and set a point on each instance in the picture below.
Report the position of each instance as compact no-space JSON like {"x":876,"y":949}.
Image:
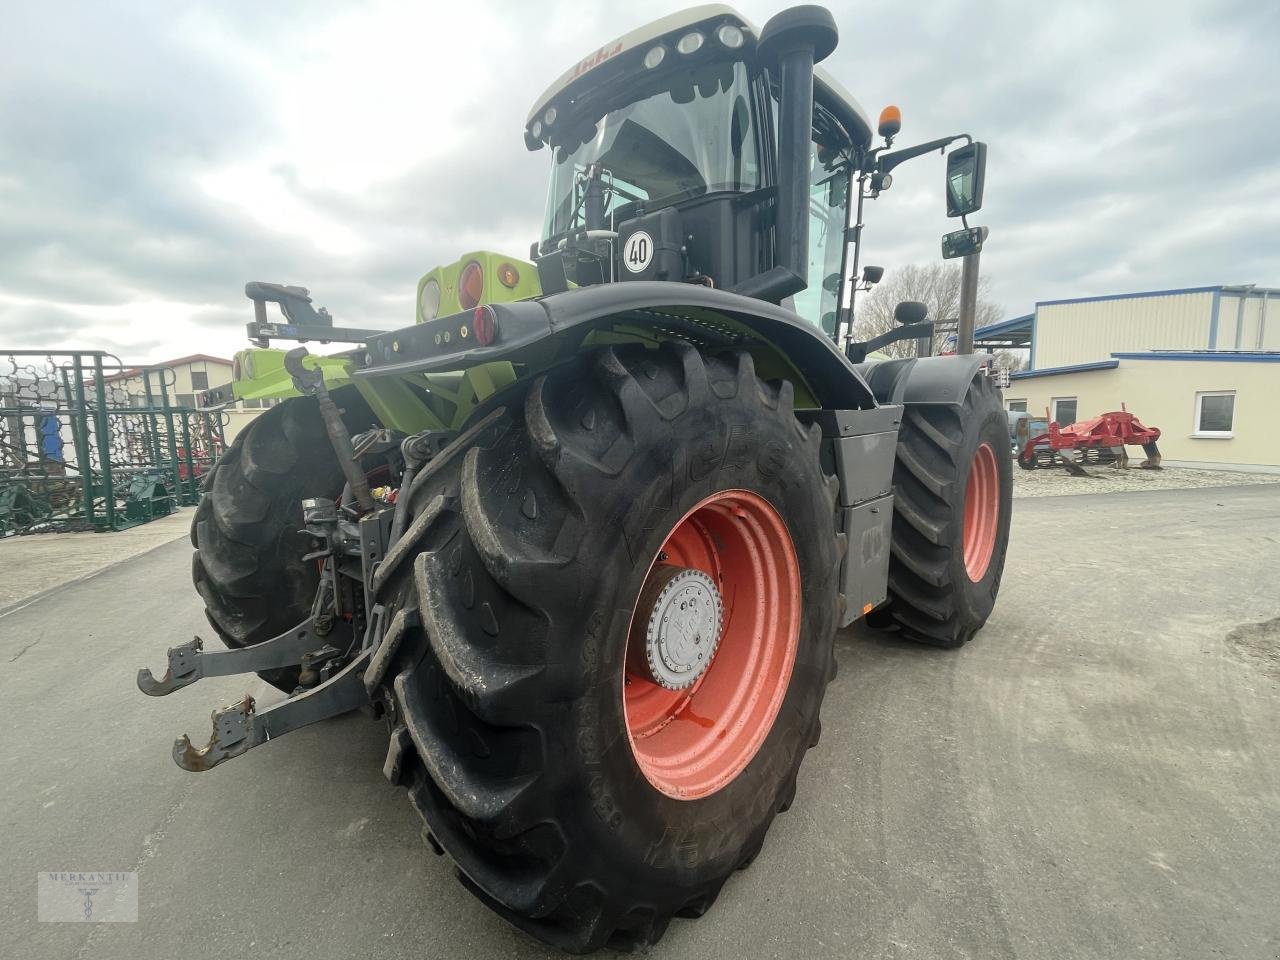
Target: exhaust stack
{"x":790,"y":44}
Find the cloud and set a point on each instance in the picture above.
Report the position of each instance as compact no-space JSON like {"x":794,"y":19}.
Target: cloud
{"x":153,"y":158}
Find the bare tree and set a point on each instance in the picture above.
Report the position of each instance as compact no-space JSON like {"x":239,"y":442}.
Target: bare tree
{"x":1011,"y":360}
{"x":937,"y":286}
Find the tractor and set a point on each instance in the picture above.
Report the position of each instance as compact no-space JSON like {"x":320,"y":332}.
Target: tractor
{"x":582,"y":536}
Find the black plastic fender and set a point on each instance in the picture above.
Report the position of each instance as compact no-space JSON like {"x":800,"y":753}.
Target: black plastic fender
{"x":923,"y":380}
{"x":683,"y":309}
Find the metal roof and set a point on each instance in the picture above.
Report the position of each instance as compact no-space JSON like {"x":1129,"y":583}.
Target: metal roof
{"x":1072,"y":368}
{"x":1217,"y":356}
{"x":1229,"y":356}
{"x":1130,"y":296}
{"x":1015,"y":332}
{"x":846,"y":109}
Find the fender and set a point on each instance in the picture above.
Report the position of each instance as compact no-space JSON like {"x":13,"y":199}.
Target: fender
{"x":923,"y":380}
{"x":783,"y":344}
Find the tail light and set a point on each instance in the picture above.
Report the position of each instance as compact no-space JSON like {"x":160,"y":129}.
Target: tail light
{"x":484,"y":322}
{"x":471,"y":285}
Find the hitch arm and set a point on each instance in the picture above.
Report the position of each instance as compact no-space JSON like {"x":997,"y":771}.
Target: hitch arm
{"x":240,"y":727}
{"x":189,"y":662}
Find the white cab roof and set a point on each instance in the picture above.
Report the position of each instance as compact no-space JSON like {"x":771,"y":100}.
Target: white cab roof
{"x":643,"y":36}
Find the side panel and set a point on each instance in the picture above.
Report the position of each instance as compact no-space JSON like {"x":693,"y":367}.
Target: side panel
{"x":860,"y":446}
{"x":868,"y":529}
{"x":864,"y":448}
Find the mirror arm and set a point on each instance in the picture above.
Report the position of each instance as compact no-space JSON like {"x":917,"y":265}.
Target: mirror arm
{"x":887,"y":161}
{"x":857,"y":352}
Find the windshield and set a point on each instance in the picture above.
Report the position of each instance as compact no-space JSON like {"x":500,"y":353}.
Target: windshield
{"x":691,"y":137}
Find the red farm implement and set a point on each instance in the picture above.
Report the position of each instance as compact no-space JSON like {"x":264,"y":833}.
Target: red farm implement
{"x":1099,"y":440}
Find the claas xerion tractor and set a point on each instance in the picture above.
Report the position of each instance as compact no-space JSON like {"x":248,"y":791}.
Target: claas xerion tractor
{"x":583,"y":535}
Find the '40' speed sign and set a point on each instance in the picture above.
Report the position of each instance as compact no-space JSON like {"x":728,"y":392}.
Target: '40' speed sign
{"x":637,"y":251}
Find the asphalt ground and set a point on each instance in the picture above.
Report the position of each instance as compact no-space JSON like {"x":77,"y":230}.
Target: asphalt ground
{"x":1096,"y":775}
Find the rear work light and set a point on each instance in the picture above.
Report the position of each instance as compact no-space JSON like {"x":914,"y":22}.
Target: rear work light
{"x":429,"y":301}
{"x":484,"y":323}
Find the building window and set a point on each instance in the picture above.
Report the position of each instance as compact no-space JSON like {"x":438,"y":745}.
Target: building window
{"x":1064,"y":410}
{"x":1016,"y":406}
{"x":199,"y":380}
{"x":1215,"y":413}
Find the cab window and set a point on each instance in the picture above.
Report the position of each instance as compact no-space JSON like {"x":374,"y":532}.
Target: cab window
{"x":828,"y":213}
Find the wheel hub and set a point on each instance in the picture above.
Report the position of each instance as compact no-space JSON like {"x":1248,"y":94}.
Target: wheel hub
{"x":682,"y":629}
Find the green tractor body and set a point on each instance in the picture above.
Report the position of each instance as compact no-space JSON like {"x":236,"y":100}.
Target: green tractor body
{"x":581,"y":535}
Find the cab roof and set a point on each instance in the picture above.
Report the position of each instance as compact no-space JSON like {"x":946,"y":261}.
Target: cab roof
{"x":829,"y":93}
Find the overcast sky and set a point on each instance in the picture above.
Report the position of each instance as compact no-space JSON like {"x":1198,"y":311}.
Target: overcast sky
{"x":155,"y":156}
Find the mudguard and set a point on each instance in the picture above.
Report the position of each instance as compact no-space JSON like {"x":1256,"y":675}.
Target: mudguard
{"x":656,"y":309}
{"x":923,"y":380}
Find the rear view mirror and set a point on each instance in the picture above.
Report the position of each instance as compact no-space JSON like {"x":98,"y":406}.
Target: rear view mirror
{"x":966,"y":171}
{"x":838,"y":191}
{"x":963,"y":242}
{"x":911,"y":311}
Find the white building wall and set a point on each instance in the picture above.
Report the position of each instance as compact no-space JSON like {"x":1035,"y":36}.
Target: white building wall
{"x":1068,"y":333}
{"x":1162,"y":393}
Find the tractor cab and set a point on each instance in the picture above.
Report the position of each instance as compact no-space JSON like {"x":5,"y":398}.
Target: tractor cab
{"x":695,"y":149}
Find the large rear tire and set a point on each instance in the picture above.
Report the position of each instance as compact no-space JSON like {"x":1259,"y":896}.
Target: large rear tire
{"x":580,"y":805}
{"x":953,"y":487}
{"x":247,"y":530}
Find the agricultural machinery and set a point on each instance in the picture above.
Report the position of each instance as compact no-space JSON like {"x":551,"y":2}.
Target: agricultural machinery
{"x":582,"y":536}
{"x":87,"y":443}
{"x":1101,"y":439}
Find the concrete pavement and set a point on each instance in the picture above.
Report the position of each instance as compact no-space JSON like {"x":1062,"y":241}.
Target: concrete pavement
{"x":37,"y":564}
{"x":1097,"y":775}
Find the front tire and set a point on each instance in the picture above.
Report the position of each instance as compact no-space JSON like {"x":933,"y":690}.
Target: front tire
{"x":953,"y":493}
{"x":506,"y":664}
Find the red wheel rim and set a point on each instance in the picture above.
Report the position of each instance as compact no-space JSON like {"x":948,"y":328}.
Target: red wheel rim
{"x":981,"y":512}
{"x":691,"y":743}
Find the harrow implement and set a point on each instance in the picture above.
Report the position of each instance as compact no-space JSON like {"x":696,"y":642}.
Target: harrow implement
{"x":1101,"y":439}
